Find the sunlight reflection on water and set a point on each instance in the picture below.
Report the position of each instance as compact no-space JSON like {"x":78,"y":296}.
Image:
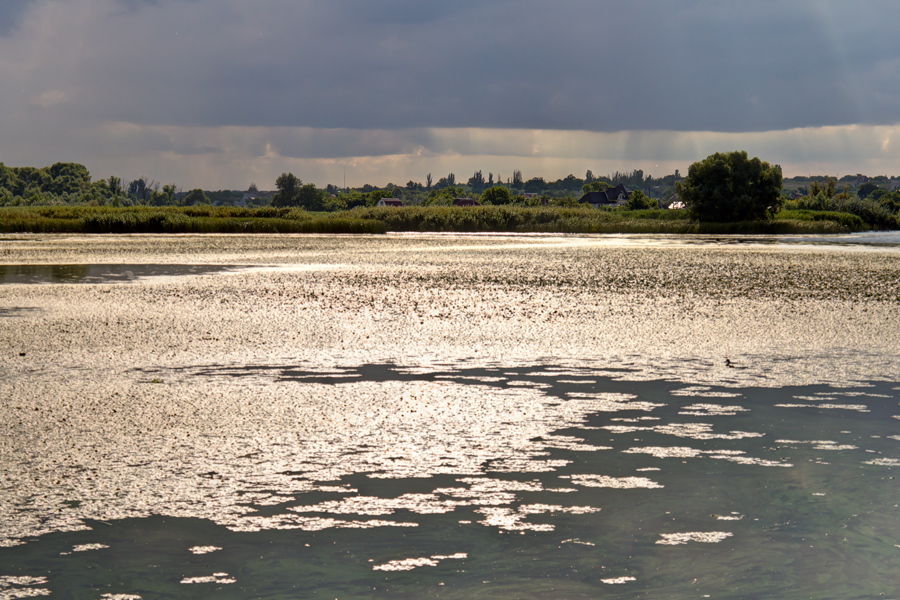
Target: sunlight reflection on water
{"x":543,"y":417}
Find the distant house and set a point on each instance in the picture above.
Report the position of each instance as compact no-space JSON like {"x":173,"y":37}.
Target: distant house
{"x":389,"y":202}
{"x":529,"y":196}
{"x":616,"y":196}
{"x":893,"y":184}
{"x":464,"y":202}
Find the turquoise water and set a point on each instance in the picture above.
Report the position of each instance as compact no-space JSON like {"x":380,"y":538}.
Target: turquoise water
{"x":452,"y":418}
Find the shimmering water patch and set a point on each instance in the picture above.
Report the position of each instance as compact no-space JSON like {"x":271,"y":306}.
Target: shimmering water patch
{"x":203,"y":549}
{"x":697,"y":431}
{"x":408,"y":564}
{"x":22,"y":586}
{"x":514,"y":520}
{"x":712,"y":410}
{"x":621,"y":483}
{"x":703,"y":537}
{"x":88,"y":547}
{"x":222,"y":578}
{"x":240,"y":400}
{"x":856,"y":407}
{"x":732,"y":517}
{"x":618,"y":580}
{"x":702,"y":391}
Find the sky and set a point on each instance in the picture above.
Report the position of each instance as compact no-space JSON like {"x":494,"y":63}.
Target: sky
{"x":219,"y":94}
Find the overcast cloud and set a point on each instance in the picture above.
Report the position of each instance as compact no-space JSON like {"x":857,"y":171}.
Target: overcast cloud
{"x":218,"y":93}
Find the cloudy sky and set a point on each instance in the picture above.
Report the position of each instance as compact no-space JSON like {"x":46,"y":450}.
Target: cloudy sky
{"x":221,"y":93}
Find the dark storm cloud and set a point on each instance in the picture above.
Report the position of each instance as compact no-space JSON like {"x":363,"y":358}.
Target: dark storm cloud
{"x":10,"y":11}
{"x":570,"y":64}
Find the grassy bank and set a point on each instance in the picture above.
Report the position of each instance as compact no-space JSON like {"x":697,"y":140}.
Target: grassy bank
{"x":546,"y":219}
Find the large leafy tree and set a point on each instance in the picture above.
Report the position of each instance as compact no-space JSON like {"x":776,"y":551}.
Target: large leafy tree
{"x":640,"y":201}
{"x":729,"y":186}
{"x":496,"y":195}
{"x":288,"y":190}
{"x":310,"y":197}
{"x":195,"y":196}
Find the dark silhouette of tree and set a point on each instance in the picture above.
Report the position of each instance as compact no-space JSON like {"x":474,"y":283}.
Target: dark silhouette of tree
{"x":476,"y":182}
{"x":730,"y":186}
{"x":288,"y":186}
{"x":195,"y":196}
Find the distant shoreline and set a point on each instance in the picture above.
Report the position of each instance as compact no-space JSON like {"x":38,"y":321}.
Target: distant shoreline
{"x":379,"y":220}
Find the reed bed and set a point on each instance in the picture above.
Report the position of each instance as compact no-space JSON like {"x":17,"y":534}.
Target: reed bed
{"x":375,"y":220}
{"x":192,"y":219}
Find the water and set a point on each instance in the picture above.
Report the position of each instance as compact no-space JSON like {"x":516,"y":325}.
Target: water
{"x":449,"y":417}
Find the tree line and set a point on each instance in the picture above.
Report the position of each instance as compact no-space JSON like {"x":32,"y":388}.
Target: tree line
{"x":71,"y":183}
{"x":720,"y":188}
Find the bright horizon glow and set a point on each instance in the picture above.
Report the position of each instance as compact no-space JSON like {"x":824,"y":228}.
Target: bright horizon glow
{"x":233,"y":157}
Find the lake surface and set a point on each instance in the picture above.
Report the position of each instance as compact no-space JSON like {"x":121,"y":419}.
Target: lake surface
{"x":449,"y":416}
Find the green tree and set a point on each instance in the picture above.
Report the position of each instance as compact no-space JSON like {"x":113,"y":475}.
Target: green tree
{"x":195,"y":196}
{"x":476,"y":182}
{"x":288,"y":194}
{"x":730,"y":186}
{"x":310,"y":197}
{"x":496,"y":195}
{"x":166,"y":197}
{"x":68,"y":178}
{"x":115,"y":185}
{"x":443,"y":196}
{"x":640,"y":201}
{"x":865,"y":190}
{"x":595,"y":186}
{"x":535,"y":185}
